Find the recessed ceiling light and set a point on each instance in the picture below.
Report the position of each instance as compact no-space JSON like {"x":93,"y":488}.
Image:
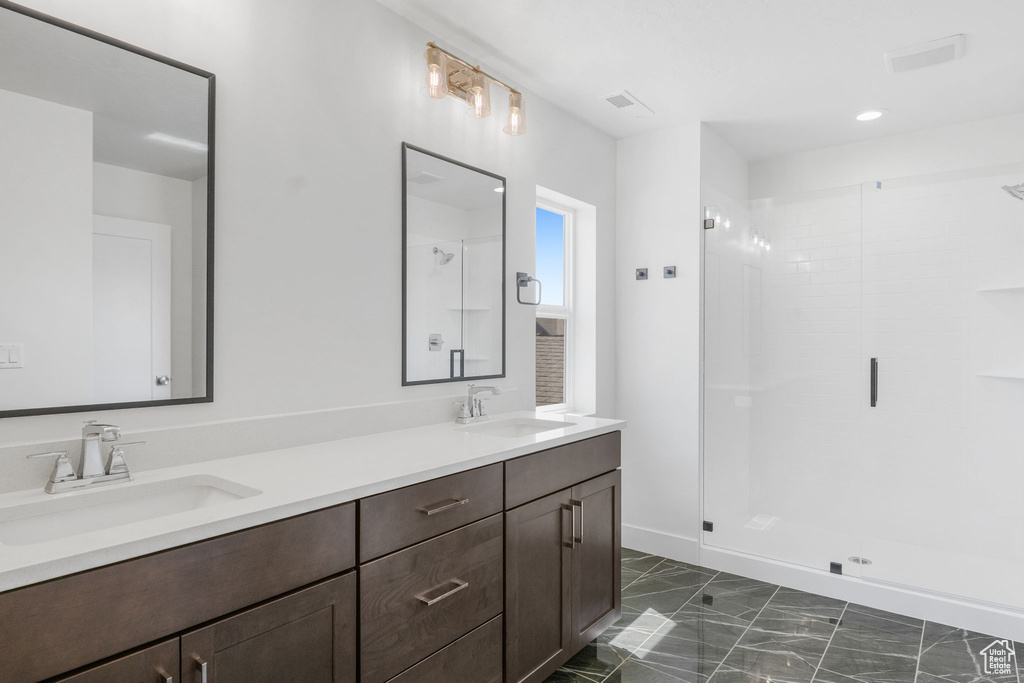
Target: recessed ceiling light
{"x":871,"y":114}
{"x":499,"y":189}
{"x":178,"y":142}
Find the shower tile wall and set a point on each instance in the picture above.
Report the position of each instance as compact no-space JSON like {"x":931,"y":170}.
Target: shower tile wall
{"x":926,"y":485}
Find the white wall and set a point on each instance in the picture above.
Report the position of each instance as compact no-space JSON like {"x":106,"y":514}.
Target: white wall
{"x":969,"y":145}
{"x":658,"y":338}
{"x":136,"y":195}
{"x":314,"y":98}
{"x":46,"y":256}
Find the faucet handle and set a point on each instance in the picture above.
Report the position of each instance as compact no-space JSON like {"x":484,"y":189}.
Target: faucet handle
{"x":115,"y":460}
{"x":462,"y":410}
{"x":62,"y":469}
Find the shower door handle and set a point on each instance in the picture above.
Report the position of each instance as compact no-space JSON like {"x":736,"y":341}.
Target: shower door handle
{"x":874,"y":382}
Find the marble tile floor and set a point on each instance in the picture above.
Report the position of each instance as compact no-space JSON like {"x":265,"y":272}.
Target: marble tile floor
{"x":681,"y":622}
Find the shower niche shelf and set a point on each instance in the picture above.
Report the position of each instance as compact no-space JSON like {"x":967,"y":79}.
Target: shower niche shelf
{"x":1003,"y":373}
{"x":1019,"y":287}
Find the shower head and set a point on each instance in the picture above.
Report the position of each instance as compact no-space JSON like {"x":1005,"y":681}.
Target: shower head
{"x":446,"y":258}
{"x":1015,"y":191}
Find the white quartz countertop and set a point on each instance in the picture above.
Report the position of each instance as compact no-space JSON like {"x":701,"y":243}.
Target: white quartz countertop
{"x":289,"y":482}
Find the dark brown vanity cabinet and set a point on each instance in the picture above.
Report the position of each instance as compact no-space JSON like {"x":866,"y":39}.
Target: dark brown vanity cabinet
{"x":562,"y":559}
{"x":308,"y":636}
{"x":508,"y":568}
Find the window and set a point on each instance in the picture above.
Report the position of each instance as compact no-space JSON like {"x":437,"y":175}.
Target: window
{"x":554,"y":315}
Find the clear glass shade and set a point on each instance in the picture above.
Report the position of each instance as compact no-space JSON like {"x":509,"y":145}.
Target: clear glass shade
{"x":437,"y":73}
{"x":480,"y":96}
{"x":516,"y":115}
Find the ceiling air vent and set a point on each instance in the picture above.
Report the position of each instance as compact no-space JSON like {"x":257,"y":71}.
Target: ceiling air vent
{"x":925,"y":54}
{"x":627,"y":104}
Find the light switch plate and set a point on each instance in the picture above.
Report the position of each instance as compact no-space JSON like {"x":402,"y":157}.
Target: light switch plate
{"x":641,"y":273}
{"x":12,"y":356}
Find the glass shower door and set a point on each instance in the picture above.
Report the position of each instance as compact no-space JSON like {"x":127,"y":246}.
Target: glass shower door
{"x":783,"y":380}
{"x":944,"y":446}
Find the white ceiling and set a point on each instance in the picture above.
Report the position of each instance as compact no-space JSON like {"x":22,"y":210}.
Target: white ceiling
{"x":458,"y":186}
{"x":130,"y":96}
{"x":773,"y":76}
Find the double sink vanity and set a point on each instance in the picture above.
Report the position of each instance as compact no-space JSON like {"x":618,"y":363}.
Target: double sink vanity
{"x":480,"y":552}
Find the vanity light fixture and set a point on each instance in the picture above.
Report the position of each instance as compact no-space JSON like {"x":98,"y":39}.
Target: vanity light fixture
{"x":447,"y":75}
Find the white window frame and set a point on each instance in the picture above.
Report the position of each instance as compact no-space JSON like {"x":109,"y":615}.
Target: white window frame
{"x":563,"y":312}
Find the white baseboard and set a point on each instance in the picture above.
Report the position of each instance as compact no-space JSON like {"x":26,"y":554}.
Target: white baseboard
{"x":673,"y":547}
{"x":942,"y":609}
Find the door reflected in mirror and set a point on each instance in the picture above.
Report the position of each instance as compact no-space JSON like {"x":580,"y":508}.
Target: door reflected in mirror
{"x":454,"y":258}
{"x":106,"y":169}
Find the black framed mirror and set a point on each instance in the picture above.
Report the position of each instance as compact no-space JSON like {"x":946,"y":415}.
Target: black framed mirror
{"x":453,"y":270}
{"x":107,"y":165}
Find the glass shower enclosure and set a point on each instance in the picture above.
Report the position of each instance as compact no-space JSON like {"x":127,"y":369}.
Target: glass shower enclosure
{"x":864,"y":382}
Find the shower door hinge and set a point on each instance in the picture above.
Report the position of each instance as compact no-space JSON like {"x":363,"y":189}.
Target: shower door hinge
{"x":709,"y":223}
{"x":835,"y":567}
{"x":709,"y":526}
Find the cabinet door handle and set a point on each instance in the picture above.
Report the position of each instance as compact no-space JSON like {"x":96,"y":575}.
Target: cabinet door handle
{"x":459,"y":585}
{"x":163,"y":675}
{"x":571,"y":543}
{"x":452,"y":503}
{"x":577,"y":504}
{"x":200,"y":667}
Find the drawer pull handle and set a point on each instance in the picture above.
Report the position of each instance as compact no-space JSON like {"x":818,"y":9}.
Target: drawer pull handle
{"x":201,"y":668}
{"x":163,"y":675}
{"x":448,"y":505}
{"x":459,"y":585}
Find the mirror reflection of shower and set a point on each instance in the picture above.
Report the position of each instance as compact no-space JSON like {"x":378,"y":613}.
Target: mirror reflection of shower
{"x":444,"y":257}
{"x":1015,"y":191}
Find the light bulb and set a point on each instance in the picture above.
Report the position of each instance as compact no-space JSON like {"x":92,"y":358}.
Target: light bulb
{"x":768,"y":245}
{"x":437,"y":73}
{"x":516,"y":115}
{"x":728,"y":224}
{"x":481,"y":95}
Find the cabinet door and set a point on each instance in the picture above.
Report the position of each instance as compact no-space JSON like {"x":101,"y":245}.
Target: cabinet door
{"x":308,"y":636}
{"x":597,"y":557}
{"x":538,"y":593}
{"x":155,"y":664}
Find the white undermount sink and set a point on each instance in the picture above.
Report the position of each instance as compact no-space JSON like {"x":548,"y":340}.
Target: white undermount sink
{"x":517,"y":428}
{"x":79,"y":513}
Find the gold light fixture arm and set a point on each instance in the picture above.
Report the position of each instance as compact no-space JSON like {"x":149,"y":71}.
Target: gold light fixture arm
{"x":475,"y":69}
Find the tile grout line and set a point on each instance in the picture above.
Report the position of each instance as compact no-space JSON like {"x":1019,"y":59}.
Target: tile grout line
{"x":920,"y":650}
{"x":774,"y":593}
{"x":829,"y":643}
{"x":667,"y":619}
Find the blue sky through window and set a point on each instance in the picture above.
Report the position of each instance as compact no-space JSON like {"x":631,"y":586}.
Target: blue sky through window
{"x":551,"y":256}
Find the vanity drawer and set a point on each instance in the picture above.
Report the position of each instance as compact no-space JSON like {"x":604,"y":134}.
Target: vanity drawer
{"x":416,"y":601}
{"x":112,"y":609}
{"x":155,"y":664}
{"x":396,"y":519}
{"x":473,"y":657}
{"x":539,"y":474}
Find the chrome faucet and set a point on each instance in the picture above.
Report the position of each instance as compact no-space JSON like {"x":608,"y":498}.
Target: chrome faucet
{"x":91,"y":463}
{"x":472,"y":410}
{"x":92,"y":470}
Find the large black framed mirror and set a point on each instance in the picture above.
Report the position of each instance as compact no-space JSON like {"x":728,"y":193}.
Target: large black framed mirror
{"x":453,"y":270}
{"x":107,"y":170}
